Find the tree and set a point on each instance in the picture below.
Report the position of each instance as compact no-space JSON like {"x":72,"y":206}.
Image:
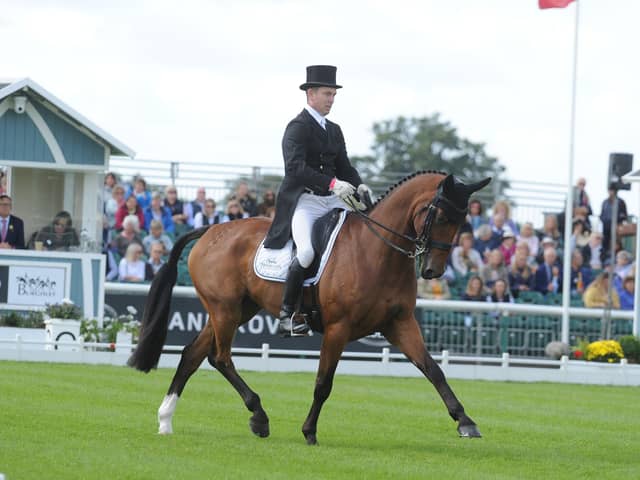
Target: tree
{"x":405,"y":145}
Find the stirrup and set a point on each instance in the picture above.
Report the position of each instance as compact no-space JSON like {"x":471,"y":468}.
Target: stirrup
{"x":293,"y":325}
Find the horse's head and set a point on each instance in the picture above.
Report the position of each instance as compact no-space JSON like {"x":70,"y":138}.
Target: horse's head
{"x":438,"y":222}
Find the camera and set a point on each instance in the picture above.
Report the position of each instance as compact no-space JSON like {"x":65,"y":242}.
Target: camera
{"x":19,"y":104}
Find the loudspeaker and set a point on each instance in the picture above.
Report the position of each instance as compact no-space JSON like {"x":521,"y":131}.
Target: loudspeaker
{"x":619,"y":164}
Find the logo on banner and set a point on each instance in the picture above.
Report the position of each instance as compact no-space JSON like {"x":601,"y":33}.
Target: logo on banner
{"x":37,"y":286}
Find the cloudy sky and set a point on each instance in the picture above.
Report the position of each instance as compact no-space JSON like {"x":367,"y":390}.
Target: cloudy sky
{"x":217,"y":81}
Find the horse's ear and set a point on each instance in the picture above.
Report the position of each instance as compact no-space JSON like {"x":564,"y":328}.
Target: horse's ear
{"x":448,"y":185}
{"x":474,"y":187}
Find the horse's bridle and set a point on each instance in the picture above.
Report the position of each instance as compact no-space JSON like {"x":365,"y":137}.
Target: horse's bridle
{"x":423,"y":243}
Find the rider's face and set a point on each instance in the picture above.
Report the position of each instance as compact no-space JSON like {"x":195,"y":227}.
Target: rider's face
{"x":321,"y":99}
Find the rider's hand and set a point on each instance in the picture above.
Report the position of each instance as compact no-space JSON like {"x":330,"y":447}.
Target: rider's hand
{"x":364,"y":189}
{"x":341,"y":189}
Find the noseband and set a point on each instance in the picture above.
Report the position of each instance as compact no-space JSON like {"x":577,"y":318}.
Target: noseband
{"x":423,"y":243}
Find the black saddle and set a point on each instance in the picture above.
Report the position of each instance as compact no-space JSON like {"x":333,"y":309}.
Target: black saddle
{"x":320,"y":234}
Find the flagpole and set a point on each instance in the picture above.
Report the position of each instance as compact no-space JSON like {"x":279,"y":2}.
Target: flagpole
{"x":568,"y":214}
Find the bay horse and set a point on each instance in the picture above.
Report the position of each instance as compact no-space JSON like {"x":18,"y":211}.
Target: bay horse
{"x":368,"y":286}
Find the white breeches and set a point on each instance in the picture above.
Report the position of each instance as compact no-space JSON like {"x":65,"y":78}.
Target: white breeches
{"x":309,"y":209}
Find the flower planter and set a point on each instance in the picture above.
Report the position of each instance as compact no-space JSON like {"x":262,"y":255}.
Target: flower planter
{"x":59,"y":330}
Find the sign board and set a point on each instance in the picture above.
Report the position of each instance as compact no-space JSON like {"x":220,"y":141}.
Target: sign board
{"x":25,"y":285}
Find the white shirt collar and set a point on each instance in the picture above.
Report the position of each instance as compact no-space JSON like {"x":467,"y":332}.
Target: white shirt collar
{"x":316,"y":116}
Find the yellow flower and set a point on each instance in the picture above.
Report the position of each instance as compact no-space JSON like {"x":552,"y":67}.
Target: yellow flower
{"x":605,"y":351}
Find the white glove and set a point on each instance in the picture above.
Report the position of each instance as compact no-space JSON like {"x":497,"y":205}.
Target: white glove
{"x":364,"y":189}
{"x":342,"y":189}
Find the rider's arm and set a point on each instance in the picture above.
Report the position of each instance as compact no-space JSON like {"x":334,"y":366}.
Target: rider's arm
{"x":294,"y":150}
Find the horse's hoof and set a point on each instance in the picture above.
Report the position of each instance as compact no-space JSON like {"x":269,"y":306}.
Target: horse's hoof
{"x":469,"y":431}
{"x":311,"y":439}
{"x":260,"y":429}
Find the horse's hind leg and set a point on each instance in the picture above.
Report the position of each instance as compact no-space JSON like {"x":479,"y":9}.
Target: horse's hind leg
{"x":405,"y":334}
{"x":192,"y":356}
{"x":225,"y":327}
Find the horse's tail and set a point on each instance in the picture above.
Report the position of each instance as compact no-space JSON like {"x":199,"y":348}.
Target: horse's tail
{"x":155,"y":319}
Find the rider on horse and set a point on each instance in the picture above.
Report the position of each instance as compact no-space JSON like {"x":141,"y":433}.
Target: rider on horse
{"x":318,"y":175}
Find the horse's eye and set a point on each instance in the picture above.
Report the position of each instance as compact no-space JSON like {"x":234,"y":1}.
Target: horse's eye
{"x":442,"y":219}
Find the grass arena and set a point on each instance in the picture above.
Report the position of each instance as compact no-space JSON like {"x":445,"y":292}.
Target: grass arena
{"x":80,"y":421}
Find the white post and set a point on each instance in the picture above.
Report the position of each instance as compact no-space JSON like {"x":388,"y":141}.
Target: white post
{"x":568,"y":215}
{"x":636,"y":292}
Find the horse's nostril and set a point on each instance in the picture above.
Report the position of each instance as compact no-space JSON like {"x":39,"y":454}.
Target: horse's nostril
{"x":428,"y":273}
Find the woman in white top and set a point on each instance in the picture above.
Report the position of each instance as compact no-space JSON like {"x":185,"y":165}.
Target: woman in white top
{"x":234,"y":212}
{"x":131,"y":268}
{"x":208,"y":216}
{"x":528,"y":234}
{"x":465,"y":258}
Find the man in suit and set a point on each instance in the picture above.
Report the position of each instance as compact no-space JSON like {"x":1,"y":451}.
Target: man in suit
{"x":549,"y":273}
{"x":318,"y":175}
{"x":11,"y":227}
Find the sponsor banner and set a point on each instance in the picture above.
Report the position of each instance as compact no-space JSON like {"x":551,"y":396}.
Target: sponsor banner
{"x":29,"y":285}
{"x":188,"y":317}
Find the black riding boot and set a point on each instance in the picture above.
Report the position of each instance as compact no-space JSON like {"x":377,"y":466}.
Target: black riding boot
{"x":292,"y":294}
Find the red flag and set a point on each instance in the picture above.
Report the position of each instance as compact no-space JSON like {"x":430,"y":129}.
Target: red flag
{"x":553,"y":3}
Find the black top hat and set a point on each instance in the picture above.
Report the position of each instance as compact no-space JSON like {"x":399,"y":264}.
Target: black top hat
{"x":320,"y":76}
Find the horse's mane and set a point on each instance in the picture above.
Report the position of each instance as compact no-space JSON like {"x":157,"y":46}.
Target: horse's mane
{"x":403,"y":180}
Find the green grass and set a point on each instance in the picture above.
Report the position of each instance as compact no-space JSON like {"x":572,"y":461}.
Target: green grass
{"x":68,"y":421}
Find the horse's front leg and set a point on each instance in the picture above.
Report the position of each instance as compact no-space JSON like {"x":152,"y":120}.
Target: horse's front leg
{"x":406,"y":335}
{"x":333,"y":342}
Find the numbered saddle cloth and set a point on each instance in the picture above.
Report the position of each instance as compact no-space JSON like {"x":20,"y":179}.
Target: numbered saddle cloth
{"x":270,"y":264}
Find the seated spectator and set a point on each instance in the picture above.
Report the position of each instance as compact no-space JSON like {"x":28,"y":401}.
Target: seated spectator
{"x":579,"y":235}
{"x":129,"y":207}
{"x":142,"y":194}
{"x":156,"y":234}
{"x":246,"y":200}
{"x":549,"y":273}
{"x":110,"y":181}
{"x":464,"y":258}
{"x":508,"y":245}
{"x":521,"y":276}
{"x":195,"y":206}
{"x":581,"y":275}
{"x":476,"y":216}
{"x":475,"y":290}
{"x":111,"y":206}
{"x":175,"y":206}
{"x":486,"y":241}
{"x":156,"y":252}
{"x":268,"y":203}
{"x":597,"y":293}
{"x":527,"y":234}
{"x":60,"y":234}
{"x":626,"y":291}
{"x":11,"y":227}
{"x":501,"y":207}
{"x":209,"y":216}
{"x":624,"y":265}
{"x":132,"y":268}
{"x":234,"y":212}
{"x":130,"y":234}
{"x":545,"y":244}
{"x":592,"y":252}
{"x":550,"y":230}
{"x":157,"y":211}
{"x":494,"y":270}
{"x":500,"y":292}
{"x":433,"y":289}
{"x":497,"y":223}
{"x":522,"y":247}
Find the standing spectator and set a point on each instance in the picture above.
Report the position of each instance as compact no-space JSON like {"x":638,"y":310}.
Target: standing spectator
{"x":486,"y":241}
{"x":110,"y":181}
{"x":494,"y":270}
{"x":597,"y":294}
{"x":60,"y":234}
{"x":579,"y":235}
{"x":581,"y":202}
{"x":464,"y":258}
{"x":508,"y":245}
{"x":246,"y":199}
{"x":433,"y":289}
{"x":129,"y":207}
{"x":476,"y":216}
{"x":143,"y":196}
{"x":175,"y":206}
{"x":11,"y":227}
{"x":157,"y":211}
{"x":130,"y":234}
{"x":268,"y":203}
{"x":195,"y":206}
{"x":626,"y":292}
{"x":521,"y":276}
{"x":592,"y":252}
{"x":475,"y":290}
{"x":156,"y":251}
{"x":527,"y":234}
{"x":549,"y":274}
{"x":501,"y":207}
{"x":581,"y":275}
{"x":111,"y":206}
{"x":132,"y":268}
{"x":606,"y":216}
{"x":207,"y":217}
{"x":156,"y":234}
{"x":234,"y":212}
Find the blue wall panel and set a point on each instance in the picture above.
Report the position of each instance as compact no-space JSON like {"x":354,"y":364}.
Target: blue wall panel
{"x":21,"y":140}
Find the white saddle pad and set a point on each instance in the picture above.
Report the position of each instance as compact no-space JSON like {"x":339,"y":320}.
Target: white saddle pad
{"x":270,"y":264}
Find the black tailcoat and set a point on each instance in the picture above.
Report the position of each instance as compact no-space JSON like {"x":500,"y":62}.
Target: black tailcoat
{"x":312,"y":157}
